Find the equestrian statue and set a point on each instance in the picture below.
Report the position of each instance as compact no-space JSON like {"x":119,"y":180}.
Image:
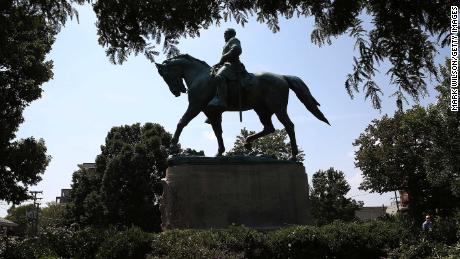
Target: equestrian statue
{"x":227,"y":86}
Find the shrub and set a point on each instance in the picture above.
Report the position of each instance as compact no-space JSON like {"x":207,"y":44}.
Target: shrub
{"x":240,"y":239}
{"x":59,"y":240}
{"x":453,"y":251}
{"x":355,"y":240}
{"x":131,"y":243}
{"x":189,"y":244}
{"x":297,"y":242}
{"x":23,"y":248}
{"x":54,"y":242}
{"x":445,"y":230}
{"x":88,"y":241}
{"x":371,"y":239}
{"x":422,"y":248}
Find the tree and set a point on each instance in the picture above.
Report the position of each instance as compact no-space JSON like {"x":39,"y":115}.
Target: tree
{"x":417,"y":151}
{"x":19,"y":215}
{"x":191,"y":152}
{"x":27,"y":32}
{"x":274,"y":145}
{"x":328,"y":201}
{"x":85,"y":206}
{"x":401,"y":32}
{"x":21,"y":164}
{"x":125,"y":187}
{"x":54,"y":215}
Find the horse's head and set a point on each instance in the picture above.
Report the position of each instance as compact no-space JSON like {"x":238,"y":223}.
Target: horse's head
{"x":173,"y":75}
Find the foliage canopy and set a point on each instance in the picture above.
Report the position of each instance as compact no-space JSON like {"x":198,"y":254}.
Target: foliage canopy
{"x":273,"y":145}
{"x":125,"y":186}
{"x":27,"y":32}
{"x":328,"y":201}
{"x":19,"y":215}
{"x":405,"y":33}
{"x":417,"y":151}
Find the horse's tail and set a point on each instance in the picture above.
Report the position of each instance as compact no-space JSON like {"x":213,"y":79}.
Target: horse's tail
{"x":303,"y":93}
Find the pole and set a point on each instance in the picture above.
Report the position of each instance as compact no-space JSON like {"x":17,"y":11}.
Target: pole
{"x":396,"y":200}
{"x":36,"y":208}
{"x":239,"y":100}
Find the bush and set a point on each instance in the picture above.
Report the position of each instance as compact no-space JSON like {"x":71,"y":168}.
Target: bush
{"x":240,"y":239}
{"x":297,"y":242}
{"x":23,"y":248}
{"x":371,"y":239}
{"x":441,"y":242}
{"x":420,"y":249}
{"x":453,"y":252}
{"x":445,"y":230}
{"x":54,"y":242}
{"x":59,"y":240}
{"x":88,"y":241}
{"x":338,"y":240}
{"x":190,"y":244}
{"x":131,"y":243}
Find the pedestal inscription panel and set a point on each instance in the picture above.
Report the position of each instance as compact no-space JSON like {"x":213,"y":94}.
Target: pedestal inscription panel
{"x":202,"y":192}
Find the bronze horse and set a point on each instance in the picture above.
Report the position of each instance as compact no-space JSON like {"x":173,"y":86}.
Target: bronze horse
{"x":266,"y":95}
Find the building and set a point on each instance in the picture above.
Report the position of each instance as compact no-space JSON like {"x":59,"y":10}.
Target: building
{"x":65,"y":193}
{"x":401,"y":205}
{"x":404,"y":198}
{"x":5,"y":226}
{"x":366,"y":213}
{"x":87,"y":166}
{"x":65,"y":196}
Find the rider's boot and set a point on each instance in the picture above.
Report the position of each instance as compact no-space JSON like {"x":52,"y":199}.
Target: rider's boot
{"x":220,"y":100}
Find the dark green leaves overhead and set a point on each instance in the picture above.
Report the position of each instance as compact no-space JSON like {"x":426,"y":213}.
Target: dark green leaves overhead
{"x":27,"y":32}
{"x":403,"y":32}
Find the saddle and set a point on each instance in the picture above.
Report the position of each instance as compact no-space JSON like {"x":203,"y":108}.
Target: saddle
{"x":239,"y":86}
{"x":239,"y":81}
{"x":239,"y":75}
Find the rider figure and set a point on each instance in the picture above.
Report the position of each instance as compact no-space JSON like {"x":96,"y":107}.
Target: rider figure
{"x":229,"y":67}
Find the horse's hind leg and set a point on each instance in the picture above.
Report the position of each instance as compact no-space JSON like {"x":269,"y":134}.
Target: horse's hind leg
{"x":283,"y":117}
{"x":266,"y":120}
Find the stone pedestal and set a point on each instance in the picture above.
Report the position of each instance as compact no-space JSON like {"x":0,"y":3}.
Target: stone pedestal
{"x":204,"y":192}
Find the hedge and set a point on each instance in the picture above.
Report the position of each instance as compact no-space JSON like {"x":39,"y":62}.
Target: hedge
{"x":373,"y":239}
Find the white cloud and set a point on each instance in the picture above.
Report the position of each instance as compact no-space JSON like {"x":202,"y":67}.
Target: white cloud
{"x":209,"y":135}
{"x":355,"y":180}
{"x":351,"y":154}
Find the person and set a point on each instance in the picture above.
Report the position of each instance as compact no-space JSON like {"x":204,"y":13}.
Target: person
{"x":428,"y":224}
{"x":228,"y":68}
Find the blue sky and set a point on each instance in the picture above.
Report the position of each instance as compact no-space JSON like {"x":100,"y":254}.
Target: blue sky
{"x":89,"y":95}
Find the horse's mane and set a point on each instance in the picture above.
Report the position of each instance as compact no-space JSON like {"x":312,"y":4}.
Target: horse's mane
{"x":190,"y":58}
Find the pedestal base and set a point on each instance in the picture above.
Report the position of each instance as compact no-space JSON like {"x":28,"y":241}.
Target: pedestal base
{"x":202,"y":192}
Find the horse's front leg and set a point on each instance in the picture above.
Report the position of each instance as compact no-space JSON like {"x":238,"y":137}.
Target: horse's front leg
{"x":215,"y":119}
{"x":216,"y":124}
{"x":191,"y":113}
